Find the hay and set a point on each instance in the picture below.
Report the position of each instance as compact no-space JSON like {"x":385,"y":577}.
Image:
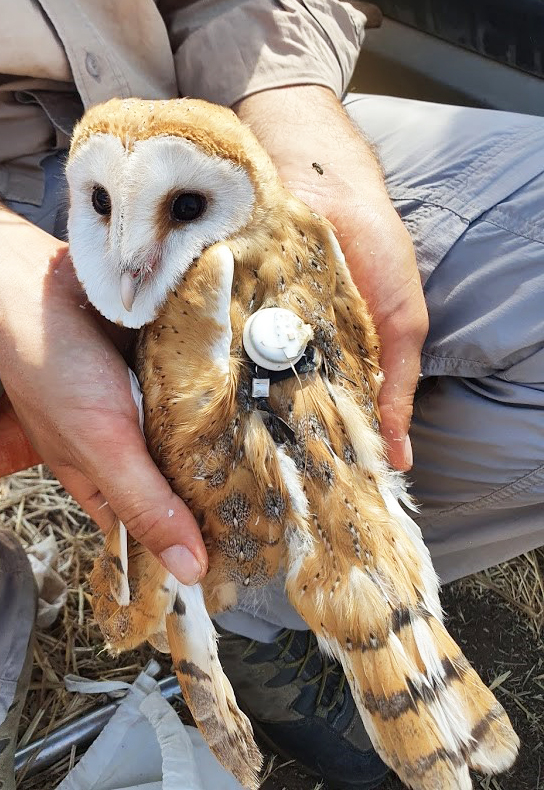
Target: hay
{"x":520,"y":582}
{"x":33,"y":504}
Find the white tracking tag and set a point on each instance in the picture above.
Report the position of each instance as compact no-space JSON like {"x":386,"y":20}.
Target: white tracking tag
{"x":276,"y":338}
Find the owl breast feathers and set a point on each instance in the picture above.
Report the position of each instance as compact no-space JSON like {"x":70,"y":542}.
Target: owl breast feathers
{"x":179,"y":224}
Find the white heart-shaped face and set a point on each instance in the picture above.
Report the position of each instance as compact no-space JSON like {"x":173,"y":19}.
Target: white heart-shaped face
{"x":125,"y":224}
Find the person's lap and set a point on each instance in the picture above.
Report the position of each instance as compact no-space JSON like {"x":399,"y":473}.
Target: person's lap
{"x":469,"y":184}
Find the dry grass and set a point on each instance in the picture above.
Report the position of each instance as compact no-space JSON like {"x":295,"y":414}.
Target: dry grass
{"x":520,"y":582}
{"x":33,"y":504}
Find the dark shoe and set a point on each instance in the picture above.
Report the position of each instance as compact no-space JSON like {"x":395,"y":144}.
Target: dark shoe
{"x":301,"y":707}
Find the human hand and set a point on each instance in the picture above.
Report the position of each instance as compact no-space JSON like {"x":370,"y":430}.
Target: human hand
{"x":70,"y":388}
{"x":16,"y":451}
{"x":302,"y":125}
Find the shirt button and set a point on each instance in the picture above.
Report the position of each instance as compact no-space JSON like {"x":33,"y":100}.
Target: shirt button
{"x":92,"y":65}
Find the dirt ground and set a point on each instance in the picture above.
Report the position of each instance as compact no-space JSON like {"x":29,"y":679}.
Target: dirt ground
{"x":496,"y":617}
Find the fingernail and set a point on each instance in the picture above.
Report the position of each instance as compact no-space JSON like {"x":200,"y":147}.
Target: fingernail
{"x":182,"y":564}
{"x":408,"y":455}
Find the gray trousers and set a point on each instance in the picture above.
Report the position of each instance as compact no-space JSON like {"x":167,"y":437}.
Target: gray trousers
{"x":17,"y":612}
{"x":469,"y":185}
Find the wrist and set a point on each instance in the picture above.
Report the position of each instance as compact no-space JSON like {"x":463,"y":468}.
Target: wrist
{"x":306,"y":125}
{"x":27,"y":254}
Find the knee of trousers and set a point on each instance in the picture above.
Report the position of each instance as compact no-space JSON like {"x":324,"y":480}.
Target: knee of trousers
{"x":478,"y":471}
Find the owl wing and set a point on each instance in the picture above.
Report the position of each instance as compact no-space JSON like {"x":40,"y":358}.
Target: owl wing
{"x":358,"y":570}
{"x":174,"y":619}
{"x":299,"y":479}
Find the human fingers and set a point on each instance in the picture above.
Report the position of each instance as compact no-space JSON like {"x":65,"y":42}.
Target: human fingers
{"x":16,"y":451}
{"x":122,"y":482}
{"x":402,"y":334}
{"x":70,"y":389}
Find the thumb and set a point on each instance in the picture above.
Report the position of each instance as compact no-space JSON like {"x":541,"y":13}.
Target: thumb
{"x":396,"y":412}
{"x":133,"y":490}
{"x":400,"y":362}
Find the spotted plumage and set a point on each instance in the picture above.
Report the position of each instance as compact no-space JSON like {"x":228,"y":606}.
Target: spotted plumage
{"x":200,"y":235}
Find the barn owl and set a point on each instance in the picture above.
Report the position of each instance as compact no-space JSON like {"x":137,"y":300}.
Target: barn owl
{"x":259,"y":367}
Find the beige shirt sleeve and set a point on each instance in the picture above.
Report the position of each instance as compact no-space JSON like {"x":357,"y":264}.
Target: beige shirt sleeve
{"x":225,"y":50}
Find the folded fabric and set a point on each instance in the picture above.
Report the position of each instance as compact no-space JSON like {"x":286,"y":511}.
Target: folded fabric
{"x":52,"y":590}
{"x":144,"y":746}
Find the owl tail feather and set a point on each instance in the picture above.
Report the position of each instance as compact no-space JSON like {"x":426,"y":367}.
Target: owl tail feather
{"x":361,"y":577}
{"x":427,"y":712}
{"x":206,"y":689}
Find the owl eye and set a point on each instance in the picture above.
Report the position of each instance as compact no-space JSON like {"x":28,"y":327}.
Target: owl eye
{"x":101,"y":201}
{"x":187,"y":206}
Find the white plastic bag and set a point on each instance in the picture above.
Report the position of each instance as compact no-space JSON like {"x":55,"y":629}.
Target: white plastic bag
{"x":145,"y":746}
{"x":52,"y":590}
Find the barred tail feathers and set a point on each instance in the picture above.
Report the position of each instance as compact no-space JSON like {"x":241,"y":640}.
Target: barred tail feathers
{"x":426,"y":710}
{"x":494,"y":744}
{"x":206,"y":689}
{"x":431,"y":714}
{"x":404,"y":718}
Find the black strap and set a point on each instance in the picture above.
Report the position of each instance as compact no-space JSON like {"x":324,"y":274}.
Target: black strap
{"x":306,"y":364}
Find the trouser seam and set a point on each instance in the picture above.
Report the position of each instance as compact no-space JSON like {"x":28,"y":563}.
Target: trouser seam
{"x":512,"y":232}
{"x":427,"y":201}
{"x":460,"y":181}
{"x":517,"y":486}
{"x":481,"y":370}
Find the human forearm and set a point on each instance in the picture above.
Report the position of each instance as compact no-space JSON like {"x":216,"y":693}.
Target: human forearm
{"x":303,"y":124}
{"x":27,"y":254}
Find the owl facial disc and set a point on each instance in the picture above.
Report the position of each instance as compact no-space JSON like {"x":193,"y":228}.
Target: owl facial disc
{"x":275,"y":338}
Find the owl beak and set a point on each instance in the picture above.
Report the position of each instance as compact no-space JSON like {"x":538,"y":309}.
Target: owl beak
{"x":129,"y":286}
{"x":138,"y":272}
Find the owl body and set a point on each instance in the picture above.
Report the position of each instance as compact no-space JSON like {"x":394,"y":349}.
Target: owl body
{"x":295,"y":480}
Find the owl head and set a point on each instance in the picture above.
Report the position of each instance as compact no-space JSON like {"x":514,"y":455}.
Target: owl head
{"x":152,"y":184}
